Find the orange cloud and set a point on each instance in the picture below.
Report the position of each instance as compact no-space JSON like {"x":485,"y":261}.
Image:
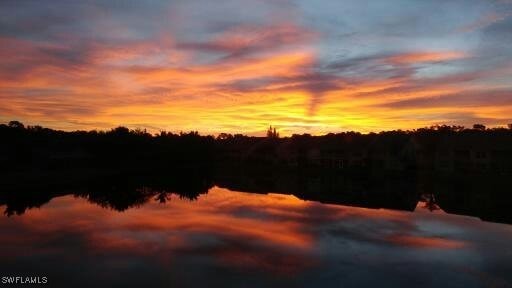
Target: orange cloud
{"x":423,"y":57}
{"x":484,"y":21}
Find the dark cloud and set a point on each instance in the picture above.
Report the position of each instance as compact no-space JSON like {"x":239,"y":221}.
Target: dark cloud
{"x":22,"y":57}
{"x":244,"y":40}
{"x":35,"y":19}
{"x":463,"y":99}
{"x":314,"y":83}
{"x":494,"y":47}
{"x":411,"y":86}
{"x":401,"y":64}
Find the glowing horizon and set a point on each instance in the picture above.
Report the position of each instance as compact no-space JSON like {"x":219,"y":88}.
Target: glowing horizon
{"x":238,"y":67}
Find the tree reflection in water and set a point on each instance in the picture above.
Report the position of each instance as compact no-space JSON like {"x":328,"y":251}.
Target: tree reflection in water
{"x":481,"y":197}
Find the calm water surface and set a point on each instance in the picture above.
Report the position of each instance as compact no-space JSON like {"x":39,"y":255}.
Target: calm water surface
{"x":227,"y":238}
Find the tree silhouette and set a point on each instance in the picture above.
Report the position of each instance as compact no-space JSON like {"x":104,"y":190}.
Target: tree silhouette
{"x":16,"y":125}
{"x":479,"y":127}
{"x":272,"y":133}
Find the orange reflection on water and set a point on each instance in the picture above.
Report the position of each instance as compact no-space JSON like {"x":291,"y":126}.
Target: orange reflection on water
{"x":272,"y":232}
{"x":425,"y":242}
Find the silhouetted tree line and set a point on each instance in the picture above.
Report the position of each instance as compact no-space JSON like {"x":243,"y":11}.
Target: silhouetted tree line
{"x":120,"y":148}
{"x":443,"y":149}
{"x":439,"y":148}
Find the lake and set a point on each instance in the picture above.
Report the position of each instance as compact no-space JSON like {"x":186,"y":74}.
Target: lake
{"x":227,"y":238}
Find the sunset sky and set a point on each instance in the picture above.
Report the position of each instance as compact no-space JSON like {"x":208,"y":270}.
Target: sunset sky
{"x":238,"y":66}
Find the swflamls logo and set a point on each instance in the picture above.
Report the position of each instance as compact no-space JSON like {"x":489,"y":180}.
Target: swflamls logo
{"x":24,"y":280}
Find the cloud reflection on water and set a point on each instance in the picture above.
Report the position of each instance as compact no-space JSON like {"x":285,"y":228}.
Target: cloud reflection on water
{"x":226,"y":232}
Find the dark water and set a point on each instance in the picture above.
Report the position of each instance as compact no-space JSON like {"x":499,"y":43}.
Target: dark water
{"x":225,"y":238}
